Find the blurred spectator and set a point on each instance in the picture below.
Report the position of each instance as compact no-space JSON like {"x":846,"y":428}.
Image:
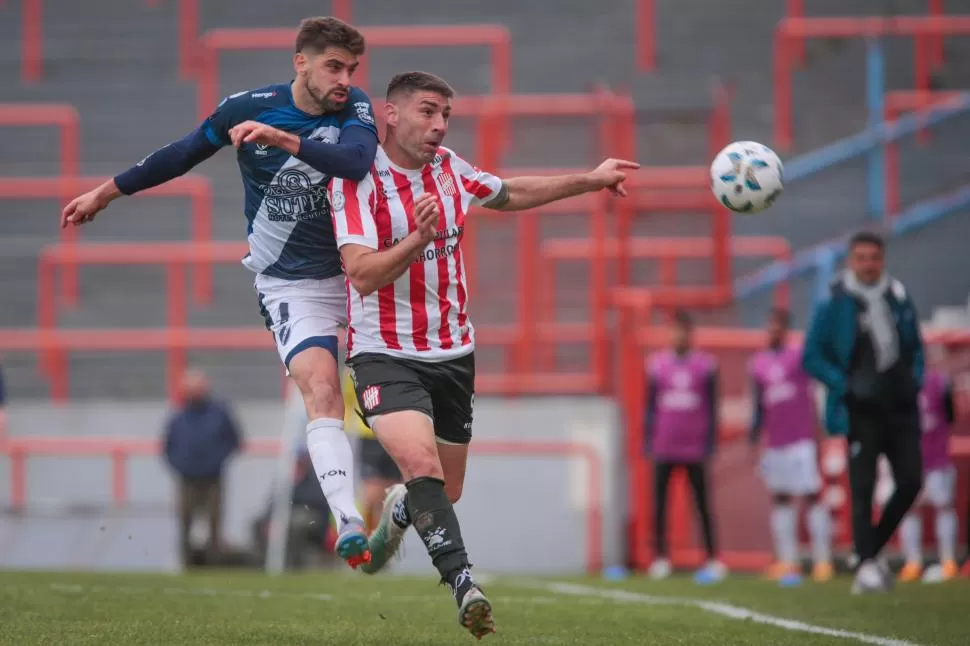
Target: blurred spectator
{"x":3,"y":408}
{"x":199,"y":439}
{"x":680,"y":431}
{"x":310,"y":535}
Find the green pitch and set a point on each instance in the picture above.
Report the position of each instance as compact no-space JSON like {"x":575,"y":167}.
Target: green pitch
{"x":351,"y":610}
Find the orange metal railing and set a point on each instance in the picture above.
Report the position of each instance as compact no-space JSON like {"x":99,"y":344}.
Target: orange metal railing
{"x":194,"y":187}
{"x":898,"y":103}
{"x":791,"y":33}
{"x":934,"y":43}
{"x":121,"y":450}
{"x":66,"y":119}
{"x":495,"y":37}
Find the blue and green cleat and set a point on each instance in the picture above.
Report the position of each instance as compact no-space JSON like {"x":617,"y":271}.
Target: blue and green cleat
{"x":351,"y":543}
{"x":385,"y":541}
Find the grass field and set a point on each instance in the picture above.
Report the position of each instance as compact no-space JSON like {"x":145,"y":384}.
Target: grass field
{"x":350,"y":610}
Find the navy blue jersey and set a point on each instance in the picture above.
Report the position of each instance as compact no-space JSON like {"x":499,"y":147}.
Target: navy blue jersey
{"x":290,"y":230}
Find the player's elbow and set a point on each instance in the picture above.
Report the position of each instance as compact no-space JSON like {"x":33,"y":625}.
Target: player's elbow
{"x":358,"y":172}
{"x":360,"y":281}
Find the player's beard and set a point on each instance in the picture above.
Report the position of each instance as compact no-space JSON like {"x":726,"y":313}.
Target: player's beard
{"x":322,"y":99}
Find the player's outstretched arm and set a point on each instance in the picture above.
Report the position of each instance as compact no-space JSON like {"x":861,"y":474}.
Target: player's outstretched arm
{"x":520,"y":193}
{"x":165,"y":164}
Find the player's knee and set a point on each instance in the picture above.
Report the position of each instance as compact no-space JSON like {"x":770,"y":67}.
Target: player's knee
{"x":420,"y":462}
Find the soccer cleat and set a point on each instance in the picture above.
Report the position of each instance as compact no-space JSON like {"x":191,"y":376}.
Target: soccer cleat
{"x":385,"y":541}
{"x":712,"y":572}
{"x":777,"y":570}
{"x":822,"y":572}
{"x":941,"y":572}
{"x":912,"y":571}
{"x":659,"y":569}
{"x":351,"y":543}
{"x":870,"y":578}
{"x":475,"y":613}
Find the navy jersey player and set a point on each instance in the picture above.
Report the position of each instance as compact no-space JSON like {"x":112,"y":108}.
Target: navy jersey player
{"x":290,"y":139}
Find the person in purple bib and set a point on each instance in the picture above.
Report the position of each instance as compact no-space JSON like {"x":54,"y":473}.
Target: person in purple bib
{"x":939,"y":483}
{"x":680,"y":432}
{"x":784,"y":420}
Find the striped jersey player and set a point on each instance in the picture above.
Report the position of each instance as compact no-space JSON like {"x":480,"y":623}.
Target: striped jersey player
{"x":290,"y":139}
{"x":411,"y":343}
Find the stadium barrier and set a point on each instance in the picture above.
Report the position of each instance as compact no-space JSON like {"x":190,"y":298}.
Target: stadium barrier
{"x":120,"y":450}
{"x":901,"y":102}
{"x":194,"y":187}
{"x":791,"y":33}
{"x":645,"y":19}
{"x":66,"y":119}
{"x":796,"y":9}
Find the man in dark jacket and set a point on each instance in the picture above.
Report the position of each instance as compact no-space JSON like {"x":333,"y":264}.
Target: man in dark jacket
{"x":864,"y":345}
{"x":199,"y":439}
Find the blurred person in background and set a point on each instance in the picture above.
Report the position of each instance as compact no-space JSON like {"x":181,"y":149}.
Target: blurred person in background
{"x":784,"y":416}
{"x":680,"y":432}
{"x":864,"y":344}
{"x":378,"y":472}
{"x":290,"y":139}
{"x":200,"y":437}
{"x":939,"y":483}
{"x":3,"y":406}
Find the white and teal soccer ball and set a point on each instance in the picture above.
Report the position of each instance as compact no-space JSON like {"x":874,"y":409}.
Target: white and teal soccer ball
{"x":747,"y":177}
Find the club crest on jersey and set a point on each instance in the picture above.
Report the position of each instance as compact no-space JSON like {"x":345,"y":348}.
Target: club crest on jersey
{"x":446,"y":184}
{"x":337,"y":200}
{"x":363,"y":112}
{"x":371,"y":397}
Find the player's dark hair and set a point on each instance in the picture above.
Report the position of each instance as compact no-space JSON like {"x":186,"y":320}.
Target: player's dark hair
{"x":317,"y":34}
{"x":683,"y":319}
{"x":781,"y":315}
{"x":410,"y":82}
{"x":867,"y":237}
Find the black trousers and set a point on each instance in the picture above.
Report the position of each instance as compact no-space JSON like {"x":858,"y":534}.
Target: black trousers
{"x":697,"y":476}
{"x":896,"y":435}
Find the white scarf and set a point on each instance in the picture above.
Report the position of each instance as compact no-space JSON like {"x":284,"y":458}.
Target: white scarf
{"x":882,"y":323}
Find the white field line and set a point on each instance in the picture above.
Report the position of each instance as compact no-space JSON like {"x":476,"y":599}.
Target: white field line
{"x":73,"y":588}
{"x":715,"y":607}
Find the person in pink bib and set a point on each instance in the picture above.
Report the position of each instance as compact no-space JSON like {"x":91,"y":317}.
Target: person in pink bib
{"x":784,"y":421}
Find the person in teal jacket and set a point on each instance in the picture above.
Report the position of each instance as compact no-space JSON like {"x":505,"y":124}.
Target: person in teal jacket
{"x":864,"y":345}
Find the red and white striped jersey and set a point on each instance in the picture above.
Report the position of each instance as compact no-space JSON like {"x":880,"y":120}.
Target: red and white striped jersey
{"x":423,"y":314}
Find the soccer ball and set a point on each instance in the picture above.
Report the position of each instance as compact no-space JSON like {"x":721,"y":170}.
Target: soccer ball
{"x":747,"y":177}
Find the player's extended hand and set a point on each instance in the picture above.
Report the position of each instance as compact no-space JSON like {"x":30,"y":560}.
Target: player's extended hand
{"x":426,"y":213}
{"x":610,"y":175}
{"x":254,"y":132}
{"x":82,"y":209}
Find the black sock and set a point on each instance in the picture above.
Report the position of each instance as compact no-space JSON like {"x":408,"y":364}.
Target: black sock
{"x":436,"y":523}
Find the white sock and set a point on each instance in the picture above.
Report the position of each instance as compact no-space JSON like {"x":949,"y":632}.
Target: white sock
{"x":820,"y":531}
{"x":333,"y":462}
{"x":911,"y":538}
{"x":946,"y":533}
{"x":783,"y":530}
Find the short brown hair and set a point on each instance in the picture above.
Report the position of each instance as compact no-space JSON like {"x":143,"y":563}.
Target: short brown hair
{"x":317,"y":34}
{"x":410,"y":82}
{"x":867,"y":237}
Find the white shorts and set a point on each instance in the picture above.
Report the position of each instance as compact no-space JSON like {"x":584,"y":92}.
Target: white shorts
{"x":939,"y":487}
{"x":302,"y":314}
{"x":792,"y":470}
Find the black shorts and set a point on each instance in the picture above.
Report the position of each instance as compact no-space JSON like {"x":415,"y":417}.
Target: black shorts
{"x":443,"y":390}
{"x":375,"y":463}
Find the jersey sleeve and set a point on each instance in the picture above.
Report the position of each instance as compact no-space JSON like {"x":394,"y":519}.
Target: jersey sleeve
{"x":358,"y":111}
{"x":352,"y":206}
{"x":233,"y":110}
{"x":482,"y":186}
